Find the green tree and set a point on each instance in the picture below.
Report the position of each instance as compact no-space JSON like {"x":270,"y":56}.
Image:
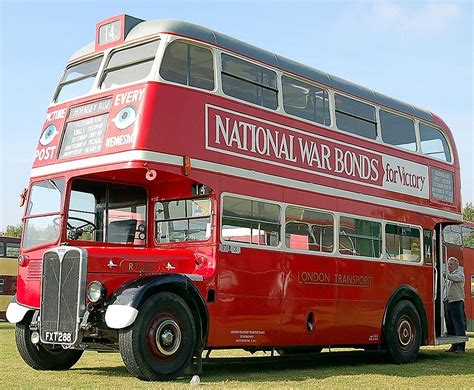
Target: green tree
{"x":468,"y":212}
{"x":12,"y":231}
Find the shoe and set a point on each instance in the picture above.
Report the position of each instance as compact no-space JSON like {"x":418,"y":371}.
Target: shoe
{"x":460,"y":351}
{"x":451,"y":350}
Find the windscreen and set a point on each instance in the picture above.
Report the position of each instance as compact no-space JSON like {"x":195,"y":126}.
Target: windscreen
{"x":43,"y":212}
{"x":78,"y":79}
{"x":129,"y":64}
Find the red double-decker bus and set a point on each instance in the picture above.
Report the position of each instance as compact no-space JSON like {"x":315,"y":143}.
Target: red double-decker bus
{"x":192,"y":192}
{"x":9,"y":251}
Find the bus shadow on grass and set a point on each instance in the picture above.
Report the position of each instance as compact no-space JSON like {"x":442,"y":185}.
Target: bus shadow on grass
{"x":320,"y":366}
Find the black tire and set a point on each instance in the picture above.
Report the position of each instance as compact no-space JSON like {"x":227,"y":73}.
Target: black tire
{"x":159,"y":345}
{"x":403,"y":333}
{"x":298,"y":351}
{"x":43,"y":356}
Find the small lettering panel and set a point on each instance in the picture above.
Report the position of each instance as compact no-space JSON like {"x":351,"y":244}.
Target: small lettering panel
{"x":84,"y":136}
{"x":90,"y":108}
{"x":442,"y":185}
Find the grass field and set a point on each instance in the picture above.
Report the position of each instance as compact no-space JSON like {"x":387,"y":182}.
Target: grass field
{"x":341,"y":369}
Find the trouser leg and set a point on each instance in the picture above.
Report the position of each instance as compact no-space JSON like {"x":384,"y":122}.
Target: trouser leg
{"x":456,"y":311}
{"x":449,"y":321}
{"x":449,"y":324}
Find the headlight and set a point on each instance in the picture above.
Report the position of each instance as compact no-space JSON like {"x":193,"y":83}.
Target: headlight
{"x":95,"y":291}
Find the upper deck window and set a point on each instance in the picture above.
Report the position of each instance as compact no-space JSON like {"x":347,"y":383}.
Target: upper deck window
{"x":129,"y":64}
{"x":188,"y":64}
{"x":78,"y":79}
{"x":305,"y":100}
{"x":398,"y":130}
{"x":246,"y":81}
{"x":355,"y":117}
{"x":433,"y":143}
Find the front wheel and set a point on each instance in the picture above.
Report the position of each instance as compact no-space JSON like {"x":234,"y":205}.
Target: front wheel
{"x":160,"y":343}
{"x":403,"y":333}
{"x":43,"y":356}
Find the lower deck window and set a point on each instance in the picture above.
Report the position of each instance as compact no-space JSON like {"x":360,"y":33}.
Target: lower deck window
{"x":309,"y":230}
{"x":358,"y":237}
{"x":402,"y":243}
{"x":183,"y":220}
{"x":250,"y":221}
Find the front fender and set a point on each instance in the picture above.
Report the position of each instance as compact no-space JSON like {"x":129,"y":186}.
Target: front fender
{"x":16,"y":312}
{"x":125,"y":302}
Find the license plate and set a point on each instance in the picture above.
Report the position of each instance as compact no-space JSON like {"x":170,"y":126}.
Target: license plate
{"x":58,"y":337}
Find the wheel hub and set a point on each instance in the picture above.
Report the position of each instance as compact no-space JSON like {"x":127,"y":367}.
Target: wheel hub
{"x":405,"y":333}
{"x":168,"y":337}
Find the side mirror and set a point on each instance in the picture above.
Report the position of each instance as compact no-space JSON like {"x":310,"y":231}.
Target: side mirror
{"x":23,"y":193}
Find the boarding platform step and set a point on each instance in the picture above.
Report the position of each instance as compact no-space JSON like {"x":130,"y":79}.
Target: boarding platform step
{"x":449,"y":339}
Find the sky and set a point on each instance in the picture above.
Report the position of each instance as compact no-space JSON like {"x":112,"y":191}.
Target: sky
{"x":420,"y":52}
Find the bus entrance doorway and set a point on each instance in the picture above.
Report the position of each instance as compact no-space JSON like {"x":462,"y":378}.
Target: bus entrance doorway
{"x":441,"y":261}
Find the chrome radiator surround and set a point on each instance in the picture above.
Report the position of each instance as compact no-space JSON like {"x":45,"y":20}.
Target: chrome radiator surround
{"x":63,"y":295}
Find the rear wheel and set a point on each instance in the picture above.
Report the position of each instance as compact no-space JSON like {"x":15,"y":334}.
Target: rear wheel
{"x":43,"y":356}
{"x":403,"y":333}
{"x":160,"y":343}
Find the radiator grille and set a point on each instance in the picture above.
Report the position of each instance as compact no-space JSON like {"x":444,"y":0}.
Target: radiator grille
{"x":62,"y":294}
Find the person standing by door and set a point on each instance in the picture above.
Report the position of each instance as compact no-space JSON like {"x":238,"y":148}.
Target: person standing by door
{"x":455,"y":317}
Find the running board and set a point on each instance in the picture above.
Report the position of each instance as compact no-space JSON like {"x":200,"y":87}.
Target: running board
{"x":451,"y":339}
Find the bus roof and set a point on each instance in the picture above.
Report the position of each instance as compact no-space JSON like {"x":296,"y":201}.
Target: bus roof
{"x":151,"y":27}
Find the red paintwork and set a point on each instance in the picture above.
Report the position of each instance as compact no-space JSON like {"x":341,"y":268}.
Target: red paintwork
{"x":260,"y":297}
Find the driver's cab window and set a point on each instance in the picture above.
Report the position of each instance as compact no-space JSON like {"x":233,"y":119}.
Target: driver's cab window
{"x":104,"y":212}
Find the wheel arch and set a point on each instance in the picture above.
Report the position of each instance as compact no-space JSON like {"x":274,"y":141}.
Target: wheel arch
{"x":133,"y":293}
{"x":407,"y":293}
